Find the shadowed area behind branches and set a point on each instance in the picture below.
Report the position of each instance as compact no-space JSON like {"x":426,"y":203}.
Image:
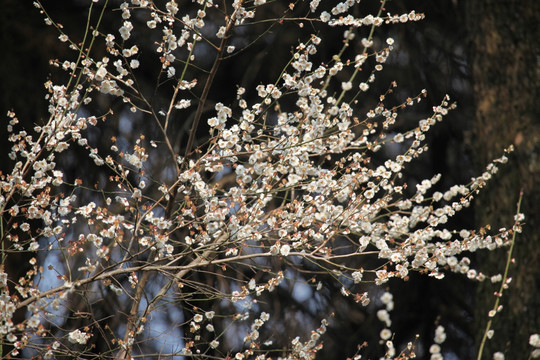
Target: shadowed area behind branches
{"x":506,"y":72}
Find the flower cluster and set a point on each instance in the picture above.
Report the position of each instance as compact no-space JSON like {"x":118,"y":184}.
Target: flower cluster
{"x":285,"y":190}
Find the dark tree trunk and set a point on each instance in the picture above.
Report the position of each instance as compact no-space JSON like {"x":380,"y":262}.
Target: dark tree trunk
{"x":505,"y":55}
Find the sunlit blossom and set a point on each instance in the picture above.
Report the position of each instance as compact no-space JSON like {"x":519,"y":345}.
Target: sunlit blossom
{"x":204,"y":202}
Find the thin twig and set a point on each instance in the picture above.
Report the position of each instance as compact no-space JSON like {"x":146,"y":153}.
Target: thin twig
{"x":503,"y":285}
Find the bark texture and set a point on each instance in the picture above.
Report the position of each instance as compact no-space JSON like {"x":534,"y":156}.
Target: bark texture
{"x":505,"y":54}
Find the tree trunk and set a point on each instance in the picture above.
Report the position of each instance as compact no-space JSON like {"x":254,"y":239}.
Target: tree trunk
{"x":505,"y":60}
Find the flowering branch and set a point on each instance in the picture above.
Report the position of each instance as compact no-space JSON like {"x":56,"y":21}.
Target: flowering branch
{"x":488,"y":332}
{"x":300,"y":188}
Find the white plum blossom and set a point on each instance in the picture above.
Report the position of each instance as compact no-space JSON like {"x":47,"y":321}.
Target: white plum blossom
{"x":195,"y":206}
{"x":285,"y":250}
{"x":78,"y":337}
